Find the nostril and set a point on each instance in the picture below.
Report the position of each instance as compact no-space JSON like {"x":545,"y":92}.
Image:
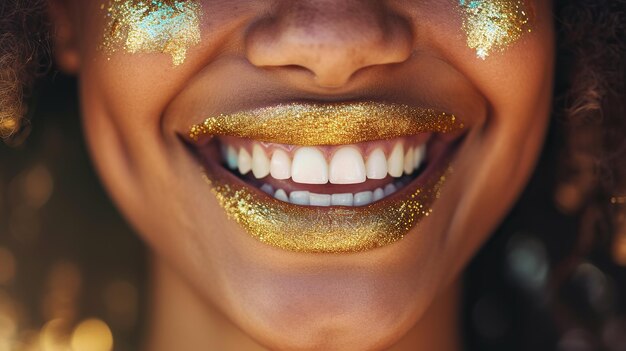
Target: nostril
{"x":333,"y":42}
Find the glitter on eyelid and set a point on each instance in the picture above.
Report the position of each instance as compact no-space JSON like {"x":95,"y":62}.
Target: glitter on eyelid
{"x":148,"y":26}
{"x":492,"y":25}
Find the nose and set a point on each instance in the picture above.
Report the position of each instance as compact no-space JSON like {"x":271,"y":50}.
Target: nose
{"x":333,"y":39}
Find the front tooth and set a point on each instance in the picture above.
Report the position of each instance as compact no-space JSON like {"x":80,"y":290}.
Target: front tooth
{"x":299,"y":198}
{"x":408,"y":161}
{"x":376,"y":165}
{"x":244,"y":161}
{"x":418,"y":155}
{"x":231,"y":157}
{"x":281,"y":195}
{"x":309,"y":166}
{"x":378,"y":194}
{"x":280,"y":165}
{"x":346,"y":199}
{"x":390,"y":189}
{"x":319,"y":199}
{"x":347,"y":166}
{"x":260,"y":162}
{"x":395,"y":163}
{"x":363,"y":198}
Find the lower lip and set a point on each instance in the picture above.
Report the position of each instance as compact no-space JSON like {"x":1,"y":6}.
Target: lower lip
{"x":335,"y":229}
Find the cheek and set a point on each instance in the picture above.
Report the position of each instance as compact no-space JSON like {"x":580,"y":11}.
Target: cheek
{"x":516,"y":83}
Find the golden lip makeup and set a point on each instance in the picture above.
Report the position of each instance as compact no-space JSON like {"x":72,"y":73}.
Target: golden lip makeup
{"x":324,"y":229}
{"x":493,"y":25}
{"x":152,"y":26}
{"x":332,"y":229}
{"x":327,"y":124}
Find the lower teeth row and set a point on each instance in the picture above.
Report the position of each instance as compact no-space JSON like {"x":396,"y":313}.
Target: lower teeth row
{"x":307,"y":198}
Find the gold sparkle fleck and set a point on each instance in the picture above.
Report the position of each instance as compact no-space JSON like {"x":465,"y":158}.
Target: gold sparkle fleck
{"x":149,"y":26}
{"x":492,"y":25}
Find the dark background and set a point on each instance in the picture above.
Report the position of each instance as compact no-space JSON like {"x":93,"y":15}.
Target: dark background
{"x":66,"y":255}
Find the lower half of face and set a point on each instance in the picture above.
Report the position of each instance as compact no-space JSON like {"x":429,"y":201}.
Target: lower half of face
{"x":339,"y":161}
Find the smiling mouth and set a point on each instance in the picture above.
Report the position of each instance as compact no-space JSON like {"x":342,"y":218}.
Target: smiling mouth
{"x":330,"y":178}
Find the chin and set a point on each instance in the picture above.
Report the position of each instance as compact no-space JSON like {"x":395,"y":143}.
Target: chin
{"x":319,"y":323}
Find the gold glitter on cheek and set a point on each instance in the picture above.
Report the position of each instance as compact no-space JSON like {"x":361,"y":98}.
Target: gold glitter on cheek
{"x":151,"y":26}
{"x":493,"y":25}
{"x":324,"y":230}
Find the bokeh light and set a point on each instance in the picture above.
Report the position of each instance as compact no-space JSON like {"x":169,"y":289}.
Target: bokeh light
{"x":55,"y":336}
{"x":527,"y":262}
{"x":92,"y":335}
{"x":66,"y":255}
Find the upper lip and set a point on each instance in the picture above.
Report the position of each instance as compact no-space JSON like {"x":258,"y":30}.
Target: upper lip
{"x":327,"y":123}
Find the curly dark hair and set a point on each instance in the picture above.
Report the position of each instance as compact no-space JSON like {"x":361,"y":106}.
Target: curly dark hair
{"x":592,"y":109}
{"x":589,"y":110}
{"x":23,"y":54}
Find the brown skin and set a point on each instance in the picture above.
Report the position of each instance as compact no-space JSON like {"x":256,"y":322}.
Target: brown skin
{"x":215,"y":282}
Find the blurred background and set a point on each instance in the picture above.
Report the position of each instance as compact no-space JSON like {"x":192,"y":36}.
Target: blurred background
{"x":71,"y":270}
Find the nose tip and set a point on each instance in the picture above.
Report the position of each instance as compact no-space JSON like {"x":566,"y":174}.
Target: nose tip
{"x":331,"y":39}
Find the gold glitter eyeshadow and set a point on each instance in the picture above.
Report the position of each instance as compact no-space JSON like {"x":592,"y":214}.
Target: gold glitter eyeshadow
{"x":151,"y":26}
{"x":492,"y":25}
{"x":328,"y":230}
{"x":327,"y":124}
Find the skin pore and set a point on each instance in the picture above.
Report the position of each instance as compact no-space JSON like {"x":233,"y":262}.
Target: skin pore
{"x":215,"y":285}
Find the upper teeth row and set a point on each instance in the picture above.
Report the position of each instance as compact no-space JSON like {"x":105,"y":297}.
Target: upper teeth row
{"x":309,"y":166}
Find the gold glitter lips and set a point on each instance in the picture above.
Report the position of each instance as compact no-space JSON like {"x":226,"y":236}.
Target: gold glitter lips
{"x":324,"y":230}
{"x":332,"y":229}
{"x":327,"y":124}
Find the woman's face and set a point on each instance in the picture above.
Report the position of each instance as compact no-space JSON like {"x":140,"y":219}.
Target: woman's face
{"x":337,"y":77}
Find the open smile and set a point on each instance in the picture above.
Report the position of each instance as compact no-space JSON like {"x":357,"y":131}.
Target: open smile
{"x":342,"y":177}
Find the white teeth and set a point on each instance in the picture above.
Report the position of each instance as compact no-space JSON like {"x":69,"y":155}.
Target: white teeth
{"x":281,"y":195}
{"x":418,"y":156}
{"x":260,"y":162}
{"x":363,"y":198}
{"x":395,"y":163}
{"x":268,"y":189}
{"x":346,"y":199}
{"x":244,"y":161}
{"x":408,"y":161}
{"x":376,"y":165}
{"x":299,"y":197}
{"x":280,"y":165}
{"x":309,"y":166}
{"x":231,"y":157}
{"x":319,"y":199}
{"x":347,"y":167}
{"x":378,"y":194}
{"x":306,"y":198}
{"x":390,"y":189}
